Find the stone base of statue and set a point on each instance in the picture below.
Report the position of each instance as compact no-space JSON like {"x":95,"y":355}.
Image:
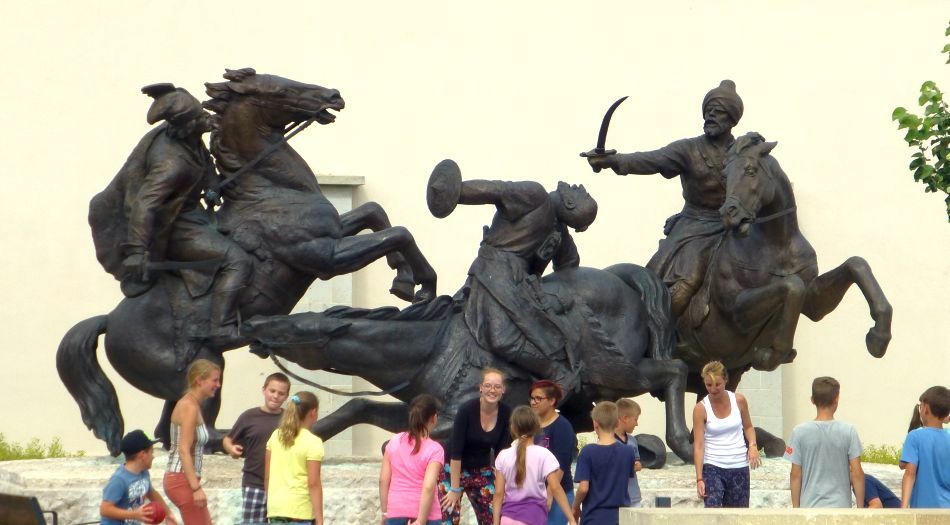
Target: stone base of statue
{"x":73,"y":486}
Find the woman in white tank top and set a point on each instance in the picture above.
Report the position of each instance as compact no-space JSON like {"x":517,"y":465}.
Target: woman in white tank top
{"x":721,"y":428}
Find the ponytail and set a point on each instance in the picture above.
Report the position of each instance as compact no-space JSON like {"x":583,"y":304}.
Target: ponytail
{"x":299,"y":406}
{"x":421,"y":410}
{"x":524,"y":426}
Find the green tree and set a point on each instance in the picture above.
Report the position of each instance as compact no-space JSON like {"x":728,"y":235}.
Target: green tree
{"x":930,"y":134}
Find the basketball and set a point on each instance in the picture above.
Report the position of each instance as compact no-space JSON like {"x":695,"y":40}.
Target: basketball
{"x":158,"y":513}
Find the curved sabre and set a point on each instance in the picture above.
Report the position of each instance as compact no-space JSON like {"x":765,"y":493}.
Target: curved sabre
{"x":600,"y":150}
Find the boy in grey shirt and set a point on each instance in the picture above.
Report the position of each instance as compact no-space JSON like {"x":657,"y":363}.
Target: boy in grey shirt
{"x":825,"y":455}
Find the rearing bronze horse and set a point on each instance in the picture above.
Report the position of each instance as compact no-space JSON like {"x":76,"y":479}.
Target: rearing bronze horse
{"x":764,"y":275}
{"x":274,"y":211}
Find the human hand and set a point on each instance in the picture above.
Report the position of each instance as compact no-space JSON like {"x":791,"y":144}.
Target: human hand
{"x":201,"y":500}
{"x":576,"y":513}
{"x":144,"y":513}
{"x":134,"y":264}
{"x":599,"y":162}
{"x":754,"y":458}
{"x":637,"y":466}
{"x":701,"y":489}
{"x":236,"y":451}
{"x":451,"y":500}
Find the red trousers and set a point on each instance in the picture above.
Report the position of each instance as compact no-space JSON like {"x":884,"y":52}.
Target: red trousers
{"x":177,"y":489}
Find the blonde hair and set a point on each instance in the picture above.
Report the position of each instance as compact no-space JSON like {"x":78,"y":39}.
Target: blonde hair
{"x":490,"y":370}
{"x":605,"y":415}
{"x":715,"y":369}
{"x":200,"y":369}
{"x":291,"y":421}
{"x":627,"y":407}
{"x":524,"y":425}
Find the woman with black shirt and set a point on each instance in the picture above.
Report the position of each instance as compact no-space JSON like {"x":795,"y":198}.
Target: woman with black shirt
{"x":480,"y":431}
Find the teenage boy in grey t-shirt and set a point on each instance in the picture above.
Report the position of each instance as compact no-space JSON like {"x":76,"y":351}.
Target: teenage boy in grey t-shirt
{"x":825,"y":455}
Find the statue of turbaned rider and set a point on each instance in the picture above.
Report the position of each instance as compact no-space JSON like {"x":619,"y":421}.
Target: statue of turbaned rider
{"x":150,"y":218}
{"x":503,"y":304}
{"x":692,"y":234}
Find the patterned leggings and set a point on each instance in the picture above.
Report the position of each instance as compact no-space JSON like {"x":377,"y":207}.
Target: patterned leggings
{"x":726,"y":487}
{"x":480,"y":488}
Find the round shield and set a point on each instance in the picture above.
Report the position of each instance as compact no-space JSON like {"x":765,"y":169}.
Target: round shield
{"x":444,"y":188}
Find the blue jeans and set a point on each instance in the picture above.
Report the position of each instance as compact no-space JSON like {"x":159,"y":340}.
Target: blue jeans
{"x":555,"y":516}
{"x":405,"y":521}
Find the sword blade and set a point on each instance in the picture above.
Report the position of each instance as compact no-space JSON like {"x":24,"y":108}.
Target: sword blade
{"x":602,"y":136}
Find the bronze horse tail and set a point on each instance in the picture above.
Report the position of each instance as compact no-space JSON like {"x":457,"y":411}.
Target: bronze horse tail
{"x":656,"y":301}
{"x":80,"y":371}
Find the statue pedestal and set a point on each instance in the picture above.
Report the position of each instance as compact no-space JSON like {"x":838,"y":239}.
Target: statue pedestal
{"x":763,"y":390}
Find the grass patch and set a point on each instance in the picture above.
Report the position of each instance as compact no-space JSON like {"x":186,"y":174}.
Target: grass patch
{"x":885,"y":454}
{"x":34,"y":450}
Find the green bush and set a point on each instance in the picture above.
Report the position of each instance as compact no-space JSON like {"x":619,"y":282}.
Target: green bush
{"x":885,"y":454}
{"x":34,"y":450}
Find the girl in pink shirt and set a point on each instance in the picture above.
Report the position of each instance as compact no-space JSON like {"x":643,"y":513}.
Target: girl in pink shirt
{"x":411,"y":466}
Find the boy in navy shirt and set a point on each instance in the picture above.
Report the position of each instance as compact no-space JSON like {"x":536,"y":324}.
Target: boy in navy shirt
{"x":125,"y":495}
{"x":878,"y":496}
{"x":603,"y":469}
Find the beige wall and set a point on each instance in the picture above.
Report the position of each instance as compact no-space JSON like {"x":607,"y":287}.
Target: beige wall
{"x":510,"y":90}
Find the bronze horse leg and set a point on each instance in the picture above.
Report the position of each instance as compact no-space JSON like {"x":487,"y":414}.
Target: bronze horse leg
{"x":371,"y":216}
{"x":668,"y":377}
{"x":391,"y":416}
{"x":355,"y":252}
{"x":778,"y":302}
{"x":826,"y":291}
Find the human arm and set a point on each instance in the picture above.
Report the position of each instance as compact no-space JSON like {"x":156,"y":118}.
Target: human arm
{"x":907,"y":483}
{"x":566,"y":255}
{"x":857,"y":481}
{"x":164,"y":179}
{"x":385,"y":477}
{"x":108,"y":509}
{"x":699,"y":444}
{"x":428,"y":491}
{"x":231,"y":448}
{"x":266,"y":469}
{"x":582,"y":489}
{"x":669,"y":161}
{"x":795,"y":485}
{"x":556,"y":491}
{"x":189,"y":426}
{"x":454,"y":495}
{"x":910,"y":457}
{"x":753,"y":454}
{"x":315,"y":487}
{"x":499,"y":498}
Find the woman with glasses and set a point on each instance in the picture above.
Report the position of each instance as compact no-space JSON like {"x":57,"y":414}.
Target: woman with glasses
{"x":479,"y":432}
{"x":557,"y":435}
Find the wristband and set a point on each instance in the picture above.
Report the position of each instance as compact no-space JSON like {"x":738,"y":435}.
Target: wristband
{"x":197,"y":489}
{"x":455,"y":490}
{"x":698,"y":480}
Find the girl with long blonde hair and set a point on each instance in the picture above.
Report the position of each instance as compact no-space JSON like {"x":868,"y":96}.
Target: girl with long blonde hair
{"x":292,"y":465}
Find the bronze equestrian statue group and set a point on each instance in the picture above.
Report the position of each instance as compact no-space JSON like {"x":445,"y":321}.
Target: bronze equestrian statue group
{"x":214,"y":246}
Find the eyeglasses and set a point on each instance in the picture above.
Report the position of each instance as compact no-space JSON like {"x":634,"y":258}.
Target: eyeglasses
{"x":538,"y":399}
{"x":487,"y":386}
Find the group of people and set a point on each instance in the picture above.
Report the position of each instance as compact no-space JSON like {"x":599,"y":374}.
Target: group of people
{"x":281,"y":473}
{"x":514,"y":465}
{"x":825,"y":453}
